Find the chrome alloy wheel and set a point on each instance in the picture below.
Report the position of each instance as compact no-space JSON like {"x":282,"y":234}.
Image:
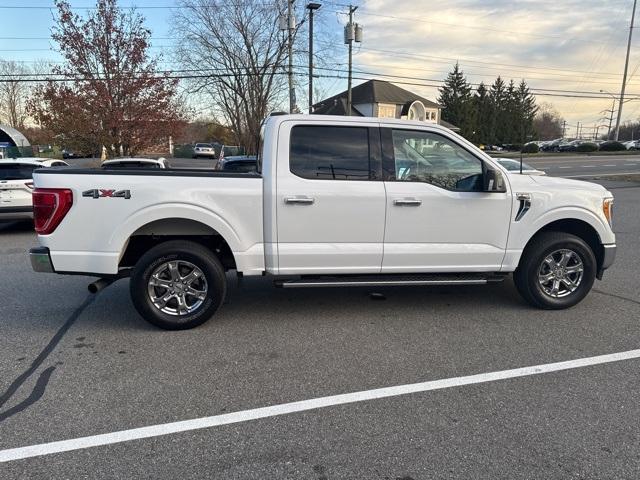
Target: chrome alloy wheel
{"x":177,"y":287}
{"x":561,"y":273}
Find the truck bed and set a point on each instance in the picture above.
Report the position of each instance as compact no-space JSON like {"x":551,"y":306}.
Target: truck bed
{"x":109,"y":206}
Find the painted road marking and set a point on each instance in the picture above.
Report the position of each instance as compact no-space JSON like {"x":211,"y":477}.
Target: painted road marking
{"x":603,"y":174}
{"x":301,"y":406}
{"x":611,"y":165}
{"x":589,"y":166}
{"x":565,"y":167}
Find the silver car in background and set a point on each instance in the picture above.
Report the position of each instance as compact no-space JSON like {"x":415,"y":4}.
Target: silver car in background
{"x":204,"y":150}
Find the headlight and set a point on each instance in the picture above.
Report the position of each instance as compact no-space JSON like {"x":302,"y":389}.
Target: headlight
{"x":607,"y":209}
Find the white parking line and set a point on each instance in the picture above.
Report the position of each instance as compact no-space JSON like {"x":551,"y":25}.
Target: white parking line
{"x":301,"y":406}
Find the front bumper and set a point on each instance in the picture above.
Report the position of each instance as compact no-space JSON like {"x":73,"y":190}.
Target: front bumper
{"x":608,"y":258}
{"x":41,"y":260}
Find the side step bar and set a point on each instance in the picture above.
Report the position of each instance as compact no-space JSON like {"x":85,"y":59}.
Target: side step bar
{"x":391,"y":280}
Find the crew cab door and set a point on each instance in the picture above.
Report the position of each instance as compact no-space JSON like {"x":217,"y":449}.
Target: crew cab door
{"x":330,"y":198}
{"x":438,"y":219}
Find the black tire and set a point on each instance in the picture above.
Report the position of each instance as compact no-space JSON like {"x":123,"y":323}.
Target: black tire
{"x":532,"y":264}
{"x":183,"y":255}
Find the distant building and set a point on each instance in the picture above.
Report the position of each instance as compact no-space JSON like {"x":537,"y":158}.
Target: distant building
{"x":377,"y":98}
{"x":11,"y":142}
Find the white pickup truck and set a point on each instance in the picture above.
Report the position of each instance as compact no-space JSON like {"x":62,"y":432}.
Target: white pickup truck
{"x":337,"y":201}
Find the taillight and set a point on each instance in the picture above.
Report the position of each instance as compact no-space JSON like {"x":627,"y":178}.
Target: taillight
{"x":50,"y":205}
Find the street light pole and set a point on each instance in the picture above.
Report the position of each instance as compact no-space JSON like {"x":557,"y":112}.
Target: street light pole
{"x":350,"y":38}
{"x":626,"y":68}
{"x":312,"y":7}
{"x":290,"y":26}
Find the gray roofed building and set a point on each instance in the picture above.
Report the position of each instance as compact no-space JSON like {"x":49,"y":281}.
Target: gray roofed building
{"x":377,"y":98}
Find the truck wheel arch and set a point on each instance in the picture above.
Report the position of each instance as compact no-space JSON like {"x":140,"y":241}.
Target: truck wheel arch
{"x":161,"y":230}
{"x":579,"y":228}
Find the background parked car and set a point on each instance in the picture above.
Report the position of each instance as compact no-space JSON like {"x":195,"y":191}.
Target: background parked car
{"x":632,"y":145}
{"x":16,"y":185}
{"x":612,"y":146}
{"x":571,"y":146}
{"x":552,"y":145}
{"x":204,"y":150}
{"x":67,"y":154}
{"x":135,"y":163}
{"x":239,"y":163}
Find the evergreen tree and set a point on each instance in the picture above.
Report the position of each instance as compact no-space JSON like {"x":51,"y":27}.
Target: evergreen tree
{"x":497,"y":101}
{"x":457,"y":102}
{"x":510,"y":119}
{"x":527,"y":110}
{"x":482,"y":105}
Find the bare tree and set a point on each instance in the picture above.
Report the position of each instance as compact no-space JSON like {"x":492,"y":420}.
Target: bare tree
{"x":236,"y":51}
{"x":547,"y":122}
{"x":14,"y":92}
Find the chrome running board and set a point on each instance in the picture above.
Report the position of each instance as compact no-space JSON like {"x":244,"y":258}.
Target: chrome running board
{"x":391,"y":280}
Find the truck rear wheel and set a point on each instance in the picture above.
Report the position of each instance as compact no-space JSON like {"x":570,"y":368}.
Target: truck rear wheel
{"x":556,"y":271}
{"x":178,"y":285}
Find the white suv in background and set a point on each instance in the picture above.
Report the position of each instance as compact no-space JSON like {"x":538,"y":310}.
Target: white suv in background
{"x":16,"y":185}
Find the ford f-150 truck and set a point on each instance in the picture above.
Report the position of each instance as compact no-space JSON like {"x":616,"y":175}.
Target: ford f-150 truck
{"x":336,"y":201}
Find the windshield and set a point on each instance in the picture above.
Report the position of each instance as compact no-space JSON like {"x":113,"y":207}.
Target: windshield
{"x":203,"y":145}
{"x":514,"y":165}
{"x":16,"y":172}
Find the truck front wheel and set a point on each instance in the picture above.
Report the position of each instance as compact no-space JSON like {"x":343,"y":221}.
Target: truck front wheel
{"x":178,"y":285}
{"x":556,"y":271}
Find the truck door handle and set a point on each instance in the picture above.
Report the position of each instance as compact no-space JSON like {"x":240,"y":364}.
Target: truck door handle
{"x":407,"y":202}
{"x":299,"y":200}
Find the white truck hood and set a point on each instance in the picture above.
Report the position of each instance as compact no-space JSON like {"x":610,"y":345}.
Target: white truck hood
{"x":567,"y":183}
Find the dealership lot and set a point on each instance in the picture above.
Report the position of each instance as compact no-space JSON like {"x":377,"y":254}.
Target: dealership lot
{"x":74,"y":365}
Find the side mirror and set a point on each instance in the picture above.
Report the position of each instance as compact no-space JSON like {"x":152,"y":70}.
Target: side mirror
{"x":493,"y":181}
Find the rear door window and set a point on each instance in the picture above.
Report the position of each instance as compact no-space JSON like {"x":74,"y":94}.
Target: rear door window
{"x":330,"y":153}
{"x":16,"y":172}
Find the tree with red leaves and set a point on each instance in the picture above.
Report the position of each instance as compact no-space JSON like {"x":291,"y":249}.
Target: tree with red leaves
{"x":108,"y":92}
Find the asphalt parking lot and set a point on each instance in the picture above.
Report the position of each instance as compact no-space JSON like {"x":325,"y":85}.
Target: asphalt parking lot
{"x":74,"y":365}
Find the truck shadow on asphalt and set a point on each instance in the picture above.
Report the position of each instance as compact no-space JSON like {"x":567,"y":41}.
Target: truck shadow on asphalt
{"x":257,"y":299}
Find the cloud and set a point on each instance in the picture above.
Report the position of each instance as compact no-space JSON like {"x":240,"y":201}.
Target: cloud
{"x":572,"y":45}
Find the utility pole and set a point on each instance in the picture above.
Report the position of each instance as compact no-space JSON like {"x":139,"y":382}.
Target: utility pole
{"x":312,"y":7}
{"x":613,"y":109}
{"x":564,"y":127}
{"x":578,"y":130}
{"x":291,"y":24}
{"x":624,"y":75}
{"x":352,"y":32}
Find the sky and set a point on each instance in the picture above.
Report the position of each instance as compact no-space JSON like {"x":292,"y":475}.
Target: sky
{"x":561,"y":48}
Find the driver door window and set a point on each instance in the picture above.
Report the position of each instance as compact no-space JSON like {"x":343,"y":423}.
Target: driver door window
{"x":431,"y":158}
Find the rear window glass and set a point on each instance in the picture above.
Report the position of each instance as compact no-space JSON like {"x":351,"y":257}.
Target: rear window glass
{"x":330,"y":153}
{"x":240,"y":167}
{"x":132,"y":165}
{"x":16,"y":172}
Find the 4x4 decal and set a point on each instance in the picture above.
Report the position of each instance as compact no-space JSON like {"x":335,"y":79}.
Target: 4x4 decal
{"x":102,"y":193}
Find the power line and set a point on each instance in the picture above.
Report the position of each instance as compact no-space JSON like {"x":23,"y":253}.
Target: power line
{"x":403,"y":80}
